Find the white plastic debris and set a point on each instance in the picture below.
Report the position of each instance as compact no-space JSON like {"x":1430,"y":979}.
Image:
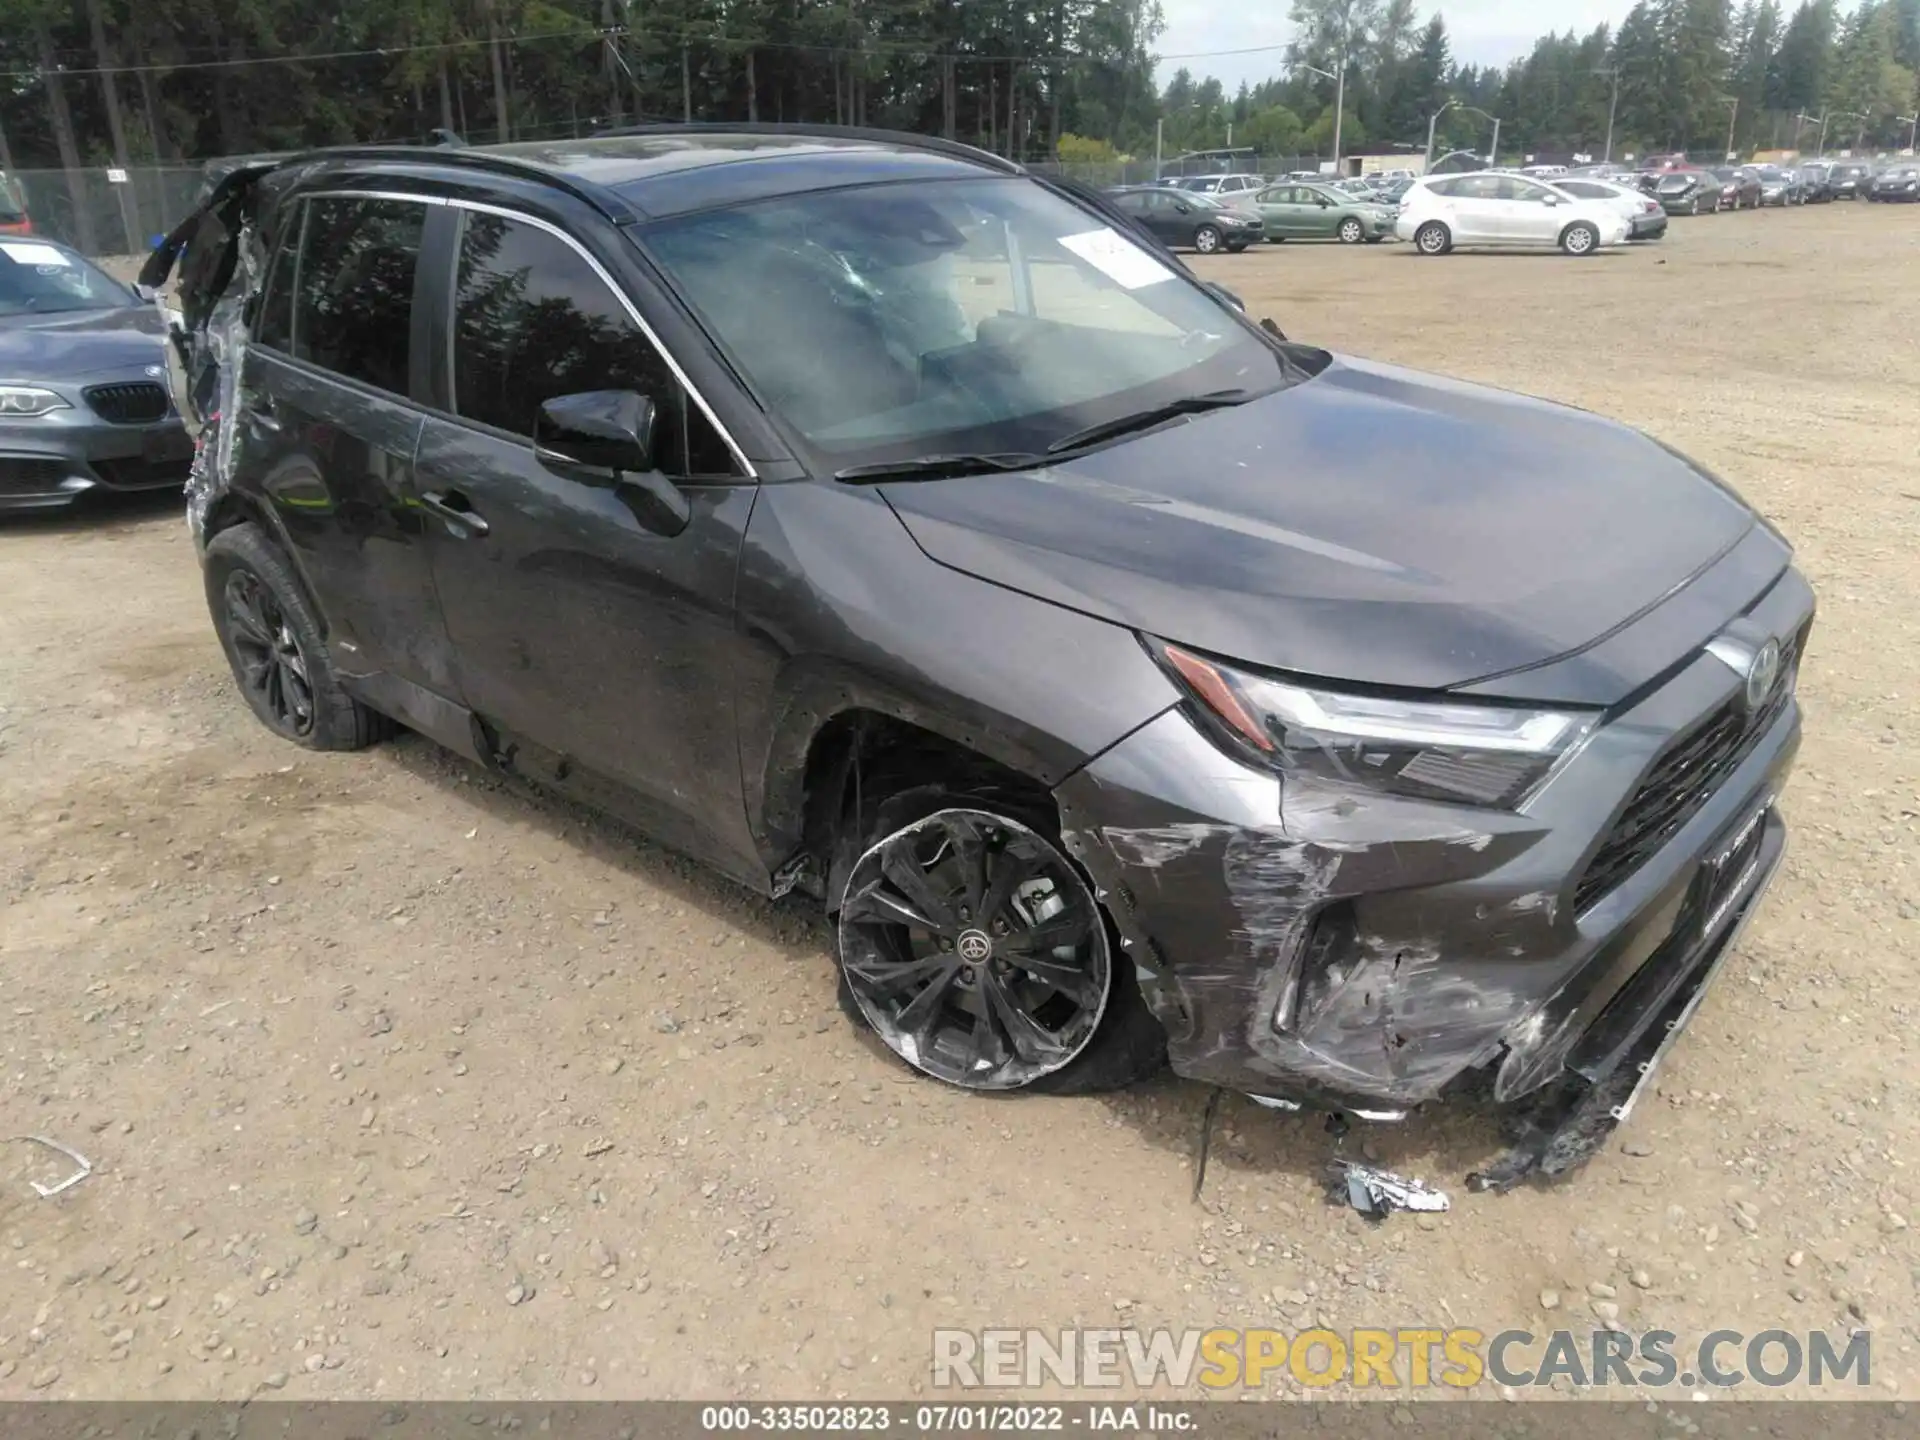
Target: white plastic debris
{"x":1376,"y":1194}
{"x":83,"y":1170}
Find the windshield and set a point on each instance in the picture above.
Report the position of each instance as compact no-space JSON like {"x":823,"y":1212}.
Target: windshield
{"x":979,"y":315}
{"x":41,"y":279}
{"x":1677,"y":182}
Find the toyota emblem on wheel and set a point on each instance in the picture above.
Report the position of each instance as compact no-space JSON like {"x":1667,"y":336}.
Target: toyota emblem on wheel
{"x":974,"y":946}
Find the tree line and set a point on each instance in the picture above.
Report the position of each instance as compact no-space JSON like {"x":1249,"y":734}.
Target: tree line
{"x":140,"y":82}
{"x":1676,"y":75}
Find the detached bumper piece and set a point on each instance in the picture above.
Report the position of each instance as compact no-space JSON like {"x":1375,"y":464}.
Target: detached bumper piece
{"x":1616,"y":1059}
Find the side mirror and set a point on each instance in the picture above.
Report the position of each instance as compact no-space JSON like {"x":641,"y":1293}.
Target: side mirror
{"x":145,"y":293}
{"x":1183,"y":209}
{"x":1549,"y":199}
{"x":598,"y":430}
{"x":612,"y":431}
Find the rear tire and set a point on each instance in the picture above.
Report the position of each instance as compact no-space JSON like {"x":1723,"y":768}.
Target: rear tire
{"x":963,"y":1007}
{"x":1206,"y":240}
{"x":1433,"y":238}
{"x":275,"y":648}
{"x":1580,"y":239}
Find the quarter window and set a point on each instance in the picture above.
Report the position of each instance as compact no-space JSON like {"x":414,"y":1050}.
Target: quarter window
{"x":534,"y":321}
{"x":354,"y":310}
{"x":276,"y":312}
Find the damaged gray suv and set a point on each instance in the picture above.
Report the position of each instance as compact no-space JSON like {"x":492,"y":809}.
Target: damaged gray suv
{"x":876,"y":521}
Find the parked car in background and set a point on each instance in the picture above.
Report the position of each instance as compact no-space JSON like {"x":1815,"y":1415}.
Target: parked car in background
{"x":1189,"y":218}
{"x":1225,"y":186}
{"x":1739,"y":186}
{"x":1320,"y":212}
{"x":1688,"y":192}
{"x":1647,"y":182}
{"x":1645,"y":218}
{"x":1777,"y":186}
{"x":1441,"y":214}
{"x":14,"y":219}
{"x":1816,"y":182}
{"x":1393,"y":192}
{"x":1849,"y":179}
{"x":1126,"y":685}
{"x":1896,"y":183}
{"x":84,"y":403}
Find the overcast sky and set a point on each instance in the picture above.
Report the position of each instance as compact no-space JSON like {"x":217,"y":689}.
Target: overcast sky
{"x":1484,"y":32}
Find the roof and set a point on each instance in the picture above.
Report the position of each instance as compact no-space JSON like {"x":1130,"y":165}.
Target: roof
{"x":658,"y":170}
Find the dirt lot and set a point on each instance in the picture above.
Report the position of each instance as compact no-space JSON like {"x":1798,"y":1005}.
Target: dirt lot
{"x":402,"y":1083}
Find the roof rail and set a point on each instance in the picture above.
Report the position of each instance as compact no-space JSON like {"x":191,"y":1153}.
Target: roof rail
{"x":933,"y":143}
{"x":475,"y":157}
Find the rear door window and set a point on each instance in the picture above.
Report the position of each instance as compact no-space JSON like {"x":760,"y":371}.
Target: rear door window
{"x":354,"y":309}
{"x":533,"y":321}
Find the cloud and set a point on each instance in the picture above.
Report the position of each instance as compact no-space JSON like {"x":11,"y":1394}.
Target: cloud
{"x":1485,"y":32}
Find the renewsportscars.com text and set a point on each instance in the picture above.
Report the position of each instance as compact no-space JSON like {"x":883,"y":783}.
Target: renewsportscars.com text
{"x":1407,"y":1358}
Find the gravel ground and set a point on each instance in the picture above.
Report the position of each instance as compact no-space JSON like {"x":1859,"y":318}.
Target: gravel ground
{"x":401,"y":1082}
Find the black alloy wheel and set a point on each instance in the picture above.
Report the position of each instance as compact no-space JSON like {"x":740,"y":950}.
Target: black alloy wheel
{"x":268,"y":661}
{"x":277,"y":648}
{"x":975,"y":950}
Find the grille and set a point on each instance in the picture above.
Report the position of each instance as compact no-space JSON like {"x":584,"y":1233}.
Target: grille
{"x":134,"y":402}
{"x":142,"y":474}
{"x":30,"y":476}
{"x":1682,"y":781}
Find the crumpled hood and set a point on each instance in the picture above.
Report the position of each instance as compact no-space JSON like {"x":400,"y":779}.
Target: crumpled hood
{"x":1373,"y":524}
{"x":79,"y":343}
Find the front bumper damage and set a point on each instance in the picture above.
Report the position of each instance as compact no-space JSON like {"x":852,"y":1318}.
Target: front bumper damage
{"x":1312,"y":945}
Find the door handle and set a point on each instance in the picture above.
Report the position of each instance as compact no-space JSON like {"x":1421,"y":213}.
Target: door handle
{"x":451,"y":506}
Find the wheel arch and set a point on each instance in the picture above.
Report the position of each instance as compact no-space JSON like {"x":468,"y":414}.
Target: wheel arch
{"x":830,"y":765}
{"x":231,"y":508}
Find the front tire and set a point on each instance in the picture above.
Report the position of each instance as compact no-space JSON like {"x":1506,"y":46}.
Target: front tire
{"x":975,"y":948}
{"x":1352,"y":232}
{"x":1433,"y":238}
{"x":1580,"y":239}
{"x":1206,"y":240}
{"x":275,"y":647}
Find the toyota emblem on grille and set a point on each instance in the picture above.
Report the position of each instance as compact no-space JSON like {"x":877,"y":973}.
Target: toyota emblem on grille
{"x":1758,"y":665}
{"x":1762,"y":671}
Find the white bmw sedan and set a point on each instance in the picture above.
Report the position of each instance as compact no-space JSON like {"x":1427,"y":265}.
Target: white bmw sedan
{"x":1444,"y":211}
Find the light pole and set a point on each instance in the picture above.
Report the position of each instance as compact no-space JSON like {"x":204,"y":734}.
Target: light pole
{"x":1433,"y":122}
{"x":1493,"y":153}
{"x":1733,"y":119}
{"x":1613,"y":106}
{"x":1339,"y":77}
{"x":1913,"y":129}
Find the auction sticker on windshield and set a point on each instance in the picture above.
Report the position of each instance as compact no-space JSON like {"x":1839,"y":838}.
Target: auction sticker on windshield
{"x":1117,"y":257}
{"x":28,"y":252}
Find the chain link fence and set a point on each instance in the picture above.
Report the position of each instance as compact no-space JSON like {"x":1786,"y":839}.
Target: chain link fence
{"x":107,"y":212}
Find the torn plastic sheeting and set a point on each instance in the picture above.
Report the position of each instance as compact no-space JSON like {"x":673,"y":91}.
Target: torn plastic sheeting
{"x":1376,"y":1194}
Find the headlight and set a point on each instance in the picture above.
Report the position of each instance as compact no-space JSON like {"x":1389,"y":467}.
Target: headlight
{"x":21,"y":401}
{"x":1467,"y":753}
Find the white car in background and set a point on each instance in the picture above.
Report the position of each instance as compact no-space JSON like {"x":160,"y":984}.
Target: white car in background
{"x":1486,"y":208}
{"x":1646,"y":217}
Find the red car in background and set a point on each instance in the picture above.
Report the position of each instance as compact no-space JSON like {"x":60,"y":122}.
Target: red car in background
{"x":14,"y":219}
